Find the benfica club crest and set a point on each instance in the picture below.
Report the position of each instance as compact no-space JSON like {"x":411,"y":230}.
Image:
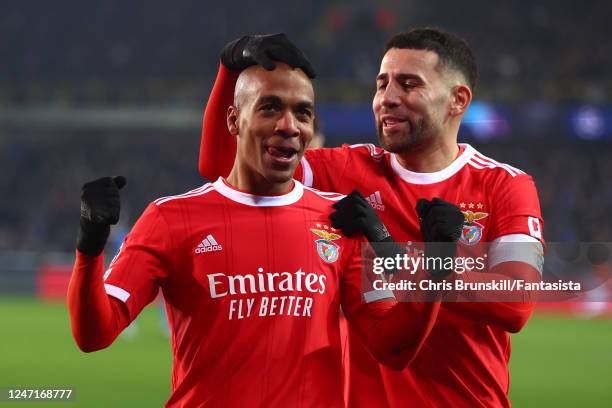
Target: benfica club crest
{"x":472,"y":230}
{"x":326,"y":248}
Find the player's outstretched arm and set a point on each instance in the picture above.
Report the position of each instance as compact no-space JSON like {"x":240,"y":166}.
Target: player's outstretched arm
{"x":96,"y":318}
{"x":218,"y":146}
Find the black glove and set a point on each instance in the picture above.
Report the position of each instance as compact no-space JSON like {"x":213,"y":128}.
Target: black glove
{"x":354,"y":215}
{"x":264,"y":50}
{"x":441,"y":223}
{"x":100,"y":206}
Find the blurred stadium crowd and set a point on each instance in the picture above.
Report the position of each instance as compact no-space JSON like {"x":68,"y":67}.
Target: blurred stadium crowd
{"x":535,"y":58}
{"x":40,"y":211}
{"x":109,"y":51}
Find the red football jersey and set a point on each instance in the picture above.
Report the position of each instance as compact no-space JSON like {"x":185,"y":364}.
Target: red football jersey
{"x":464,"y":362}
{"x":253,"y":287}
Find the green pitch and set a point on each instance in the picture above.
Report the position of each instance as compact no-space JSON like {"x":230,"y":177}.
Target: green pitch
{"x":556,"y":362}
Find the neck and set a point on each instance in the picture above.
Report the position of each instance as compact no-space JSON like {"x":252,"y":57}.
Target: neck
{"x":429,"y":157}
{"x":249,"y":181}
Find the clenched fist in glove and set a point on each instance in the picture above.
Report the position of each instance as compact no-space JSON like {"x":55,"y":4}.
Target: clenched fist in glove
{"x":100,"y":205}
{"x":355,"y":215}
{"x":441,"y":223}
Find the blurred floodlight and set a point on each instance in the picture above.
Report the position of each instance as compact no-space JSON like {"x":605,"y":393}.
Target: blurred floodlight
{"x":485,"y":122}
{"x":588,"y":123}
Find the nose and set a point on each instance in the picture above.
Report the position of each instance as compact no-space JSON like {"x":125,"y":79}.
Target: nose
{"x":286,"y":125}
{"x":390,"y":96}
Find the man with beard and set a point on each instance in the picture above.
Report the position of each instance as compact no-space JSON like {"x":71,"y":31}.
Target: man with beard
{"x":423,"y":89}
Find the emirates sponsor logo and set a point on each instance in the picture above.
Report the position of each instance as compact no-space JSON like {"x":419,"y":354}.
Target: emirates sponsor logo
{"x":278,"y":293}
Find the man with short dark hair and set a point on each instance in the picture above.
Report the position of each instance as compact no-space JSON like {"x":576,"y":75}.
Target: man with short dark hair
{"x":252,"y":272}
{"x":423,"y":89}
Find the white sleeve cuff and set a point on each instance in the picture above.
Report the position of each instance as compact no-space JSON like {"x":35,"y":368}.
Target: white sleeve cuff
{"x":116,"y":292}
{"x":375,"y":295}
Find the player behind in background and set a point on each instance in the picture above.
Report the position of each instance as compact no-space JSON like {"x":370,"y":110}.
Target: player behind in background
{"x":252,"y":273}
{"x":423,"y":89}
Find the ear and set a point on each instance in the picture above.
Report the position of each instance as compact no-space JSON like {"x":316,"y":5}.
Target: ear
{"x":232,"y":120}
{"x":460,"y":100}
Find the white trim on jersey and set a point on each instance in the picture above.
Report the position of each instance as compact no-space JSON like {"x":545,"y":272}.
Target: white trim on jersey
{"x":193,"y":193}
{"x":307,"y":176}
{"x":480,"y":161}
{"x":259,"y":201}
{"x":371,"y":148}
{"x":503,"y":165}
{"x":517,"y":248}
{"x":325,"y":194}
{"x":116,"y":292}
{"x":435,"y":177}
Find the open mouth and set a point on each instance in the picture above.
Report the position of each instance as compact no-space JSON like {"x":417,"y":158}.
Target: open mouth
{"x":390,"y":123}
{"x":282,"y":153}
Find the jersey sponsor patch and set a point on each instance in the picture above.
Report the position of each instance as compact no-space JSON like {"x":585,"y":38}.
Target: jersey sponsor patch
{"x":471,"y":234}
{"x":326,"y":248}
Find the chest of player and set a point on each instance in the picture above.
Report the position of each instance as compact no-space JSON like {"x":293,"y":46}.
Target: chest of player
{"x":263,"y":262}
{"x":395,"y":204}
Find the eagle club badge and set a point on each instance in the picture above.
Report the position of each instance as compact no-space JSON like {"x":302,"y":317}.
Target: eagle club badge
{"x":472,"y":230}
{"x":326,"y":248}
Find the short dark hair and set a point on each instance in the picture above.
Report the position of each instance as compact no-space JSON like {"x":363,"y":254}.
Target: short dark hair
{"x":453,"y":51}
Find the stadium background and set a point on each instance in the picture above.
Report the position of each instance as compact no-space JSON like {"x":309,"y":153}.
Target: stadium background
{"x":110,"y":87}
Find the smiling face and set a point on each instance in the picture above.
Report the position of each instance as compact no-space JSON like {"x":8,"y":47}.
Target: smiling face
{"x":273,"y":118}
{"x":413,"y":98}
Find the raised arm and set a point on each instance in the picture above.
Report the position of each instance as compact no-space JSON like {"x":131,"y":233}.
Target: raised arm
{"x":96,"y":318}
{"x":218,"y":146}
{"x":101,"y":304}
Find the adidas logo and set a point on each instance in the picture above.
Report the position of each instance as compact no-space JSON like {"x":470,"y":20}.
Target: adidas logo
{"x":375,"y":201}
{"x":208,"y":244}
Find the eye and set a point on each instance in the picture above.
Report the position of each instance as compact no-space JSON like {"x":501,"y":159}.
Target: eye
{"x":381,"y":86}
{"x":269,"y":108}
{"x":304,"y":114}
